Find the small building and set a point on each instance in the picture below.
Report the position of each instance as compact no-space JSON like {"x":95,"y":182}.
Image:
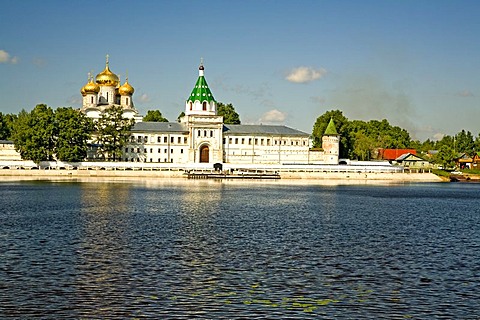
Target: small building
{"x":413,"y":162}
{"x":392,"y":154}
{"x":8,"y":152}
{"x":476,"y":161}
{"x":463,"y":161}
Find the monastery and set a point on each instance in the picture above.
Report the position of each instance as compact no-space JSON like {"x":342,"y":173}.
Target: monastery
{"x":201,"y":136}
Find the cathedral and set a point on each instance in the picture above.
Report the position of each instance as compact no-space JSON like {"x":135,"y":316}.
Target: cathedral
{"x":201,"y":136}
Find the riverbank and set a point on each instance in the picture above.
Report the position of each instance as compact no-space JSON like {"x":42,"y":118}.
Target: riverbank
{"x":178,"y":174}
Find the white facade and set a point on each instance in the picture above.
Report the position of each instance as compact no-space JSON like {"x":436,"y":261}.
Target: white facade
{"x":201,"y":136}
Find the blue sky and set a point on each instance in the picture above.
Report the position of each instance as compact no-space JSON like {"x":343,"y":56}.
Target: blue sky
{"x":415,"y":63}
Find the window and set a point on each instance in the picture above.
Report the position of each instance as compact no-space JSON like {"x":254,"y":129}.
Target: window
{"x":191,"y":105}
{"x":236,"y":140}
{"x":171,"y":139}
{"x":145,"y":139}
{"x":127,"y":104}
{"x":198,"y":133}
{"x":224,"y":140}
{"x":179,"y":140}
{"x":138,"y":150}
{"x":204,"y":106}
{"x":261,"y":142}
{"x":145,"y":150}
{"x":256,"y":141}
{"x":211,"y":133}
{"x":92,"y":100}
{"x":126,"y":149}
{"x":250,"y":141}
{"x":185,"y":140}
{"x":159,"y":139}
{"x":139,"y":139}
{"x":151,"y":151}
{"x":131,"y":150}
{"x":164,"y":139}
{"x":268,"y":142}
{"x":151,"y":160}
{"x":181,"y":150}
{"x":159,"y":151}
{"x":166,"y":151}
{"x":171,"y":150}
{"x":229,"y":140}
{"x":204,"y":133}
{"x":243,"y":140}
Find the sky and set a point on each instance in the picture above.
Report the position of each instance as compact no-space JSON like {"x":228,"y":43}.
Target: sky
{"x":415,"y":63}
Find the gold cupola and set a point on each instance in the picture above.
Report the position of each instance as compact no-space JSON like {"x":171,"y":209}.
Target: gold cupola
{"x":90,"y":87}
{"x":126,"y":89}
{"x":107,"y":77}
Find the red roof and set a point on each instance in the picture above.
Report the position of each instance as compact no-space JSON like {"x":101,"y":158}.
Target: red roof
{"x":392,"y":154}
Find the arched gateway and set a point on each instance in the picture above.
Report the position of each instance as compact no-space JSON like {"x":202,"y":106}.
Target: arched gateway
{"x":204,"y":154}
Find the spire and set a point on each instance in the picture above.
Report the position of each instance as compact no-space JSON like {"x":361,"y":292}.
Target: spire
{"x":201,"y":91}
{"x":331,"y":130}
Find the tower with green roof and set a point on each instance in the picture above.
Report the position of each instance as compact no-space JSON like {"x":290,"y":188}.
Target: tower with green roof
{"x":205,"y":127}
{"x":201,"y":100}
{"x":331,"y":143}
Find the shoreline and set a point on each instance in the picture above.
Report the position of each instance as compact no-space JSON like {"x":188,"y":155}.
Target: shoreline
{"x":286,"y":176}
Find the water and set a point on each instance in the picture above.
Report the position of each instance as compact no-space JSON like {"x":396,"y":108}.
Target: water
{"x":230,"y":250}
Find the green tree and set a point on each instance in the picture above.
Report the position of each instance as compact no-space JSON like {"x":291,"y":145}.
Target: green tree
{"x":181,"y":115}
{"x":230,"y":116}
{"x":33,"y":134}
{"x":5,"y":129}
{"x":464,"y":142}
{"x":363,"y":146}
{"x":72,"y":130}
{"x":154,"y":116}
{"x":446,"y":156}
{"x":112,"y":132}
{"x":341,"y":123}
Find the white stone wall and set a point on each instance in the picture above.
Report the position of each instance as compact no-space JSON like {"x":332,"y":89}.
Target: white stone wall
{"x":268,"y":149}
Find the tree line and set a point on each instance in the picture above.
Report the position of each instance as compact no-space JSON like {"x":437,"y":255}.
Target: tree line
{"x":362,"y":139}
{"x":64,"y":134}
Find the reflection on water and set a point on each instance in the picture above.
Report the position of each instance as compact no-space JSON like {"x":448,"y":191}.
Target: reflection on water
{"x":214,"y":249}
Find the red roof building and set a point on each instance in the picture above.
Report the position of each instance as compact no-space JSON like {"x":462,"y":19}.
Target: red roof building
{"x":392,"y":154}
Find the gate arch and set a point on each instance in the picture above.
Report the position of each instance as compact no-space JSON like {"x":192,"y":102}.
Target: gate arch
{"x":204,"y":154}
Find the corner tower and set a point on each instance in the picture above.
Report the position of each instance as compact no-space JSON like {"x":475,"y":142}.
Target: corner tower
{"x":331,"y":143}
{"x":201,"y":100}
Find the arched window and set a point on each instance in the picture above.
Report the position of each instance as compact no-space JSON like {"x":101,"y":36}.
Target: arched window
{"x":127,"y":101}
{"x":204,"y":105}
{"x":92,"y":100}
{"x":191,"y":105}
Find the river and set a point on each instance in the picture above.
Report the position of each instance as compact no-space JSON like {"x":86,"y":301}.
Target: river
{"x":238,"y":250}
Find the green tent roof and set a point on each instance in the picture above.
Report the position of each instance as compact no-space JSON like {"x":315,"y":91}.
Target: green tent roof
{"x":331,"y":130}
{"x":201,"y":91}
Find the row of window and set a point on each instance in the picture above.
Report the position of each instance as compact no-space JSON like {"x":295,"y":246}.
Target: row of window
{"x":144,"y":139}
{"x":262,"y":142}
{"x":151,"y":160}
{"x":145,"y":150}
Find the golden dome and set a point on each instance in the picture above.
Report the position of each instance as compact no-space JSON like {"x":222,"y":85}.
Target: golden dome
{"x":126,"y":89}
{"x":91,"y":87}
{"x":82,"y":91}
{"x":107,"y":77}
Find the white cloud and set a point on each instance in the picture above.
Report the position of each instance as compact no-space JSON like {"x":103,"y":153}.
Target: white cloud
{"x":305,"y":74}
{"x":5,"y":58}
{"x":144,"y":98}
{"x":465,"y":93}
{"x":438,"y":136}
{"x":273,"y":116}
